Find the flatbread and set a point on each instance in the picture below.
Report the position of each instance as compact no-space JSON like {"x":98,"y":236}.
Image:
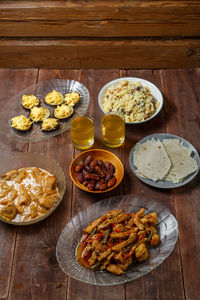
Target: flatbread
{"x":182,"y":162}
{"x":152,"y":160}
{"x":168,"y":160}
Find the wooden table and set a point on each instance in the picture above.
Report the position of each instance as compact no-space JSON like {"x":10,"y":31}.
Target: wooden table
{"x":28,"y":265}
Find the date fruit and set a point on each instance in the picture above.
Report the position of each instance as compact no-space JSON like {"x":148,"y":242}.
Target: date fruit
{"x":95,"y":174}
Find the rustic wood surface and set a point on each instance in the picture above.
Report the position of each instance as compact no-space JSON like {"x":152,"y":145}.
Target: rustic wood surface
{"x":28,"y":265}
{"x":99,"y":18}
{"x":100,"y":34}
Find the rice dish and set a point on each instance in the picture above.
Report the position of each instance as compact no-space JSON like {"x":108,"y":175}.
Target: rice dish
{"x":131,"y":99}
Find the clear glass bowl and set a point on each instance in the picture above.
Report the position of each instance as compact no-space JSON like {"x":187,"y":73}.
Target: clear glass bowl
{"x":13,"y":107}
{"x":23,"y":160}
{"x":66,"y":247}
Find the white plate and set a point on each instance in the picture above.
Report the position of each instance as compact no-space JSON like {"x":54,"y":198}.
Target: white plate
{"x":153,"y":89}
{"x":66,"y":247}
{"x":164,"y":184}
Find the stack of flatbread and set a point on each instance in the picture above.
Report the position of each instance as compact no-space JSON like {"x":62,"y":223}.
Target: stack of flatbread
{"x":164,"y":160}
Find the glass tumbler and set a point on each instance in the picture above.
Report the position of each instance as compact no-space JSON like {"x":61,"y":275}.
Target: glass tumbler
{"x":113,"y":130}
{"x":82,"y":131}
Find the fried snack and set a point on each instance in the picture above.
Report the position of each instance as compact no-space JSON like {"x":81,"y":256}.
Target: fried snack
{"x":39,"y":114}
{"x":63,"y":111}
{"x":27,"y":194}
{"x":49,"y":124}
{"x":116,"y":240}
{"x":72,"y":98}
{"x":54,"y":98}
{"x":21,"y":123}
{"x":29,"y":101}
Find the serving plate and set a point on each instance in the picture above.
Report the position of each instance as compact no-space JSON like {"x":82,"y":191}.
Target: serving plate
{"x":164,"y":184}
{"x":13,"y":107}
{"x":24,"y":160}
{"x":155,"y":92}
{"x":66,"y":247}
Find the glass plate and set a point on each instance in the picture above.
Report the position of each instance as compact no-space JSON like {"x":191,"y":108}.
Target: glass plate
{"x":23,"y":160}
{"x":66,"y":247}
{"x":14,"y":108}
{"x":153,"y":89}
{"x":164,"y":184}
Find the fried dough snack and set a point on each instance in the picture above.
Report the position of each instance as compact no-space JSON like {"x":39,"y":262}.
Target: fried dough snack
{"x":117,"y":239}
{"x":27,"y":194}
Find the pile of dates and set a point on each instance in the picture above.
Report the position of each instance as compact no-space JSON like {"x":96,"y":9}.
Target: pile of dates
{"x":95,"y":174}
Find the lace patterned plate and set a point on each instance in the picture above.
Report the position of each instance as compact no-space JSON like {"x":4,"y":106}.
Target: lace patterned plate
{"x":66,"y":247}
{"x":14,"y":108}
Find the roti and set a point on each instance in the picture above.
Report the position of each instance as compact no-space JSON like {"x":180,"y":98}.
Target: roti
{"x":182,"y":162}
{"x":152,"y":160}
{"x":168,"y":160}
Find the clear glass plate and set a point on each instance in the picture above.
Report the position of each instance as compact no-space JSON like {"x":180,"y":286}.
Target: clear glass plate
{"x":66,"y":247}
{"x":23,"y":160}
{"x":13,"y":107}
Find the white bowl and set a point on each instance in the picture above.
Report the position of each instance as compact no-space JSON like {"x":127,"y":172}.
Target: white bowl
{"x":153,"y":89}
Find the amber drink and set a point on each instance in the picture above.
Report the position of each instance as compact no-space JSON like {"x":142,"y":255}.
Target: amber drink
{"x":113,"y":130}
{"x":82,"y":131}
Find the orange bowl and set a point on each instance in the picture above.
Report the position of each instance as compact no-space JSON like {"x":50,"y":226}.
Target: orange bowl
{"x":97,"y":154}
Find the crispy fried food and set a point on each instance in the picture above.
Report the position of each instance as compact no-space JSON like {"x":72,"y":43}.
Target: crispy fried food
{"x":27,"y":193}
{"x":117,"y":239}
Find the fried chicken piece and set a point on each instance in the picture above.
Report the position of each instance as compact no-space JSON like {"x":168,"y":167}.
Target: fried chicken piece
{"x":114,"y":269}
{"x":141,"y":252}
{"x":9,"y":211}
{"x":132,"y":238}
{"x":137,"y":219}
{"x":94,"y":224}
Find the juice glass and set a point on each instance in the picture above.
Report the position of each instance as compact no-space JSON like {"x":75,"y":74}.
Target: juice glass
{"x":113,"y":130}
{"x":82,"y":131}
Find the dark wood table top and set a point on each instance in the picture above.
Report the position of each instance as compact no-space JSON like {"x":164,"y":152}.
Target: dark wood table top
{"x":28,"y":265}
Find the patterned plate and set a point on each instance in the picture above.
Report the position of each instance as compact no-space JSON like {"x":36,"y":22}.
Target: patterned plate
{"x":66,"y":247}
{"x":14,"y":108}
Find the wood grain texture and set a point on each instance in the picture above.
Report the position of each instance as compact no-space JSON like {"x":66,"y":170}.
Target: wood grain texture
{"x":94,"y":80}
{"x":11,"y":82}
{"x":97,"y":54}
{"x":184,"y":91}
{"x":27,"y":255}
{"x":151,"y":285}
{"x":38,"y":241}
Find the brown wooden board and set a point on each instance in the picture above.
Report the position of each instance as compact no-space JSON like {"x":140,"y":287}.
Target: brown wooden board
{"x":29,"y":269}
{"x":11,"y":83}
{"x":185,"y":106}
{"x":151,"y":285}
{"x":82,"y":53}
{"x":99,"y":18}
{"x":35,"y":257}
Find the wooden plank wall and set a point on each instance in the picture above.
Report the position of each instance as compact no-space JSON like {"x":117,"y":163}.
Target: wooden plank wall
{"x":100,"y":34}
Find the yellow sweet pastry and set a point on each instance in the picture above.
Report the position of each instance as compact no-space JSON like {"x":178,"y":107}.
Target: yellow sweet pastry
{"x":21,"y":123}
{"x":54,"y":98}
{"x":63,"y":111}
{"x":72,"y":98}
{"x":39,"y":114}
{"x":29,"y":101}
{"x":49,"y":124}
